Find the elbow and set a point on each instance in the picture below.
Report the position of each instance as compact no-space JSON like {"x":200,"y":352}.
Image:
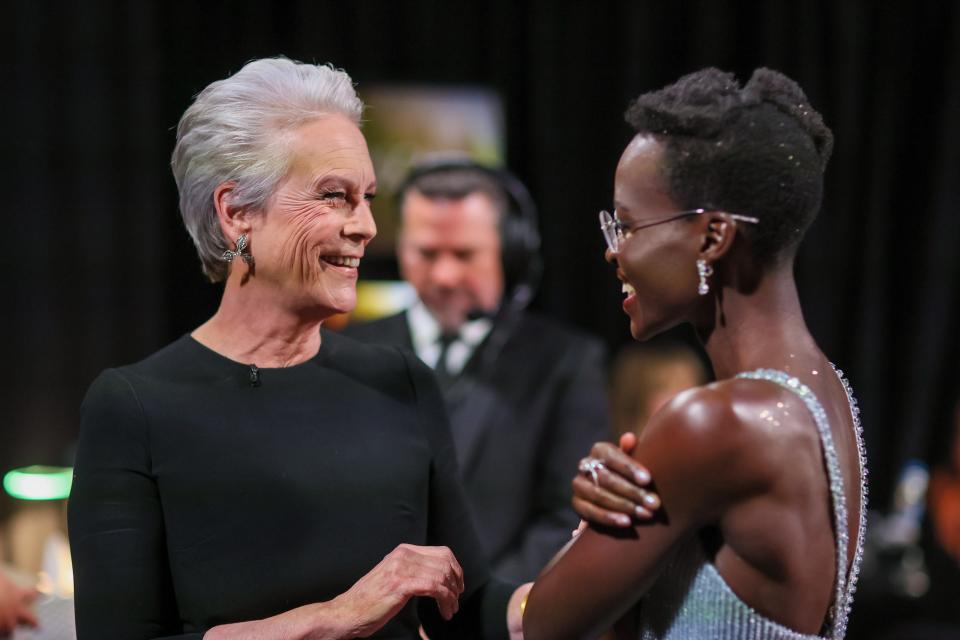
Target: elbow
{"x":533,"y":620}
{"x":541,"y":621}
{"x":536,"y":630}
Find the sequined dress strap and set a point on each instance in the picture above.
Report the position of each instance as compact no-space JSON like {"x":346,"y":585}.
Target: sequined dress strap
{"x":846,"y":581}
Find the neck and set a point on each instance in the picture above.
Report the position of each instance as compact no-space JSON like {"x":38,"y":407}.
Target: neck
{"x":253,"y":326}
{"x":760,"y":328}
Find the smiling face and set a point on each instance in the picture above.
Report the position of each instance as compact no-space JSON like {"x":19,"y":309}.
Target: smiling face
{"x":308,"y":240}
{"x":658,"y":263}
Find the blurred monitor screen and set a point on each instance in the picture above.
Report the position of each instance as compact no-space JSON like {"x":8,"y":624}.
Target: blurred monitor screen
{"x":405,"y":123}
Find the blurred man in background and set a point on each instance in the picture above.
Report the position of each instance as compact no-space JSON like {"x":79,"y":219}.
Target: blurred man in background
{"x":525,"y":395}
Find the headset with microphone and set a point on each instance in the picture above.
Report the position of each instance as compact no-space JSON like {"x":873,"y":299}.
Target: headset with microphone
{"x":519,"y":230}
{"x":519,"y":243}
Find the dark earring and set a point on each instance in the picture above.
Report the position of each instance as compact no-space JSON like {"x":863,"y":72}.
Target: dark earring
{"x":240,"y":252}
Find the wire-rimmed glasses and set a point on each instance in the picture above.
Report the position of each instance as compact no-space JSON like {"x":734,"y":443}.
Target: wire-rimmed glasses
{"x":615,"y":230}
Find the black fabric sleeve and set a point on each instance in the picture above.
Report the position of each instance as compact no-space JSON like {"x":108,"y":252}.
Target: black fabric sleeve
{"x":483,"y":605}
{"x":122,"y":580}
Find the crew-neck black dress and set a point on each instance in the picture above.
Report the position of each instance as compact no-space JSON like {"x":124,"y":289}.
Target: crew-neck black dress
{"x":203,"y":496}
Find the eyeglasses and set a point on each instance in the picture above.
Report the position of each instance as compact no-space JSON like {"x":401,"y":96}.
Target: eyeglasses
{"x":615,"y":230}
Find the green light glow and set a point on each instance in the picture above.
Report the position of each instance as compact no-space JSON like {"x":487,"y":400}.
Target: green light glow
{"x":39,"y":482}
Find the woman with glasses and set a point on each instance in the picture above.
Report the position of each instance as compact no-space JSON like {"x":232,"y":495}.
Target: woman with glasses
{"x":761,"y":475}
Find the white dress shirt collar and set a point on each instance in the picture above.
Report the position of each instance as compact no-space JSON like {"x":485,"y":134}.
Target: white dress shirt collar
{"x":425,"y":334}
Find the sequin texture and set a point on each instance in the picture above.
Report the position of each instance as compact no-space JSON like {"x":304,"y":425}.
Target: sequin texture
{"x":691,"y":600}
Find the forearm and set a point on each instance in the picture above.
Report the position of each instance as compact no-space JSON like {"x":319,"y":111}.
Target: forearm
{"x":590,"y":585}
{"x":541,"y":620}
{"x":515,"y":608}
{"x":552,"y":613}
{"x":321,"y":621}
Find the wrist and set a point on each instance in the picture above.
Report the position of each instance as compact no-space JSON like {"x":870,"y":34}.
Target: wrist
{"x":516,"y":607}
{"x":331,"y":620}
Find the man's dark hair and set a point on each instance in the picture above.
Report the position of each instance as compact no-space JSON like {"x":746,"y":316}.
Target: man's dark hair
{"x":455,"y":181}
{"x":758,"y":150}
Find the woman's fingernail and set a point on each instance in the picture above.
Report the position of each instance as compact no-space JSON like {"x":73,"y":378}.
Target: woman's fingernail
{"x":622,"y":519}
{"x":642,"y":476}
{"x":642,"y":513}
{"x":651,"y":500}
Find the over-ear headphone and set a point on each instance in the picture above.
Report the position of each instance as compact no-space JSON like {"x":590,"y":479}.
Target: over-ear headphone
{"x":519,"y":231}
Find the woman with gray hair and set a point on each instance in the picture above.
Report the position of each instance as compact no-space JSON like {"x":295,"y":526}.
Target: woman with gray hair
{"x":246,"y":481}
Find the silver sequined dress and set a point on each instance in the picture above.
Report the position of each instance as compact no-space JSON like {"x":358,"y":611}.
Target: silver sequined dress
{"x":691,"y":600}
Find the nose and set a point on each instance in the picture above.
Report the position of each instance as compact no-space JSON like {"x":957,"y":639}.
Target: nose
{"x":446,"y":271}
{"x":360,"y":225}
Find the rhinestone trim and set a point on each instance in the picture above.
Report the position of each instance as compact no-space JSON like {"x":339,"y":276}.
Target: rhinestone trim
{"x":846,"y":581}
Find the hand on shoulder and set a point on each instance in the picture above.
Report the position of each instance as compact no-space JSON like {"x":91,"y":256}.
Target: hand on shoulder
{"x":722,"y":442}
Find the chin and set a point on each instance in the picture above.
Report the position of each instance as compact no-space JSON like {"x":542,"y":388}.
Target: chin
{"x":639,"y":332}
{"x":643,"y":331}
{"x":336,"y":305}
{"x":345,"y":307}
{"x":448,"y":317}
{"x":451,"y":323}
{"x":638,"y":328}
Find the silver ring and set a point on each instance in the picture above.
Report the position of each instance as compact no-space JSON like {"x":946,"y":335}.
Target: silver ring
{"x":592,"y":468}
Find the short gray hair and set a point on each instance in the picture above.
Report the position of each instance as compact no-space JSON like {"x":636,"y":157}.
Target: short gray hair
{"x":236,"y":129}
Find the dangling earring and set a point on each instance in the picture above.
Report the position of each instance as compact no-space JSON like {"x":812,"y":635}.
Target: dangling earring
{"x":240,"y":252}
{"x":705,"y":271}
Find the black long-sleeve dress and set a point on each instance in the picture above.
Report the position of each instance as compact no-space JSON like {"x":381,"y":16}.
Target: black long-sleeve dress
{"x":206,"y":492}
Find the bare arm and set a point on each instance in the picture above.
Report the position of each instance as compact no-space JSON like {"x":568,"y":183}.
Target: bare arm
{"x":369,"y":604}
{"x":695,"y":452}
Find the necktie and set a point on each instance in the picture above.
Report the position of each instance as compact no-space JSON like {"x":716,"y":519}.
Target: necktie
{"x":440,"y":370}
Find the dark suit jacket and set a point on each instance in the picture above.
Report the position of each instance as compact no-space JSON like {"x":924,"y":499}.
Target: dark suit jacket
{"x":521,"y":422}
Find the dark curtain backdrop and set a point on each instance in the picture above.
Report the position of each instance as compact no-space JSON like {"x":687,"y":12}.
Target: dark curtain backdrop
{"x":97,"y":270}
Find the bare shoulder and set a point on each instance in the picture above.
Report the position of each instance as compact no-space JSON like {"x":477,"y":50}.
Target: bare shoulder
{"x":730,"y":440}
{"x":719,"y":418}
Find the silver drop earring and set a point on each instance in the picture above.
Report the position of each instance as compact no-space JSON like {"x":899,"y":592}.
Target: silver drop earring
{"x":240,"y":252}
{"x":705,"y":271}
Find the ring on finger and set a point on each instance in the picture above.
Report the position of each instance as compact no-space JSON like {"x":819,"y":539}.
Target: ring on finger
{"x":591,"y":467}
